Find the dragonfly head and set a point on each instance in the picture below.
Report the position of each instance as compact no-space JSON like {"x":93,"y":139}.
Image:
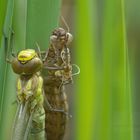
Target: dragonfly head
{"x":27,"y":62}
{"x":26,"y":55}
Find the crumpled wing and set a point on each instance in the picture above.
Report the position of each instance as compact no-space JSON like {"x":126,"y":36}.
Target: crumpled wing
{"x":22,"y":123}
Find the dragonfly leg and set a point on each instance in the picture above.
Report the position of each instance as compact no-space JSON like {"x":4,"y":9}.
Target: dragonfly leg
{"x":8,"y":44}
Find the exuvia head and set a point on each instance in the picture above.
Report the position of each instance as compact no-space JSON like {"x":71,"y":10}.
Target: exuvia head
{"x":60,"y":36}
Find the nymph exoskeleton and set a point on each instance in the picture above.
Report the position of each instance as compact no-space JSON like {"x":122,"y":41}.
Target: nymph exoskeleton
{"x":58,"y":63}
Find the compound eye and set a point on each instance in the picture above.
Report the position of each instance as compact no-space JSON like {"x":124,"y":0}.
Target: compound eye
{"x":70,"y":38}
{"x":53,"y":38}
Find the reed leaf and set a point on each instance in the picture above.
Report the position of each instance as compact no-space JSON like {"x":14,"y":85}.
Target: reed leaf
{"x":2,"y":15}
{"x":32,"y":21}
{"x":103,"y":96}
{"x":86,"y":94}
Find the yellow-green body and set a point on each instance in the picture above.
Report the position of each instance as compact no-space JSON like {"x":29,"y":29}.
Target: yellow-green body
{"x":30,"y":118}
{"x":29,"y":89}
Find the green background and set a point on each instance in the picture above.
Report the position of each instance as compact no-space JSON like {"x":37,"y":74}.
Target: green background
{"x":104,"y":100}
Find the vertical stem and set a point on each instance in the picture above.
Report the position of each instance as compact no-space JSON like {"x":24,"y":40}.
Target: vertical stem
{"x":32,"y":22}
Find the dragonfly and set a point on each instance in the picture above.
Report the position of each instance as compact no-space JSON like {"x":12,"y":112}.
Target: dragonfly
{"x":29,"y":121}
{"x":57,"y":61}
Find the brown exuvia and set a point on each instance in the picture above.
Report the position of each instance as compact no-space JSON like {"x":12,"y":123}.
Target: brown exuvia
{"x":58,"y":64}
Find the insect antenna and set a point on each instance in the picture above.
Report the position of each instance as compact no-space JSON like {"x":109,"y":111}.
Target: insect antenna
{"x":65,"y":23}
{"x":39,"y":51}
